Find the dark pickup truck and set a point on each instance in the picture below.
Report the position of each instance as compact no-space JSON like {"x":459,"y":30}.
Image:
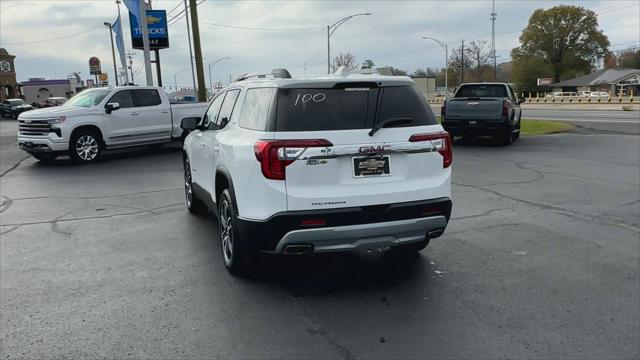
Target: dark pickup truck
{"x":483,"y":109}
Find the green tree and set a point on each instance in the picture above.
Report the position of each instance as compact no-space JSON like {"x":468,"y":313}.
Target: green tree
{"x":565,"y":37}
{"x":368,"y":64}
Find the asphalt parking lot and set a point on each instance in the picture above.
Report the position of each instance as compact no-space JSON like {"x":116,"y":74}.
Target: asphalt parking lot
{"x":540,"y":260}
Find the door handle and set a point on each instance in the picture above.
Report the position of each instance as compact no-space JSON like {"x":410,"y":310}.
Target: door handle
{"x":216,"y":149}
{"x":202,"y":144}
{"x":134,"y":114}
{"x":164,"y":112}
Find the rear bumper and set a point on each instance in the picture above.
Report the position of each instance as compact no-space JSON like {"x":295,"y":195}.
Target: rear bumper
{"x":474,"y":127}
{"x":347,"y":229}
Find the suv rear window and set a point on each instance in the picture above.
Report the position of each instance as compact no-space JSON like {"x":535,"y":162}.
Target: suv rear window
{"x":482,"y":91}
{"x":321,"y":109}
{"x":349,"y":108}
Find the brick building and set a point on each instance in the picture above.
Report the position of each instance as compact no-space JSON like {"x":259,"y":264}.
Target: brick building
{"x":8,"y":84}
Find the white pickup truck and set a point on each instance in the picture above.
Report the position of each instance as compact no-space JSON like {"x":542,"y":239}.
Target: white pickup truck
{"x":103,"y":118}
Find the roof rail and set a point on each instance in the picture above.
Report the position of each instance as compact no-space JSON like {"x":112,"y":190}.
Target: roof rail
{"x":275,"y":73}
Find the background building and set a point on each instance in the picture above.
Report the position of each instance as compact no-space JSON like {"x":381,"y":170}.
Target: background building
{"x":8,"y":85}
{"x":614,"y":81}
{"x":38,"y":89}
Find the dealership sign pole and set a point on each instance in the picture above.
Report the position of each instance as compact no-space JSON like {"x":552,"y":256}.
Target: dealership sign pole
{"x":145,"y":41}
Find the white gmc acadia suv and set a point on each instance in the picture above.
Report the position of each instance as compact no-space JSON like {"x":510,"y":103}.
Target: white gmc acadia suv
{"x":318,"y":164}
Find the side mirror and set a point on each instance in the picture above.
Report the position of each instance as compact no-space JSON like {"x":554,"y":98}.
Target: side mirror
{"x":189,"y":123}
{"x":110,"y":107}
{"x":224,"y":122}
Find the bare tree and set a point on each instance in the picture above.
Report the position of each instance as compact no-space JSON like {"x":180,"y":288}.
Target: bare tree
{"x":344,"y":59}
{"x":479,"y":56}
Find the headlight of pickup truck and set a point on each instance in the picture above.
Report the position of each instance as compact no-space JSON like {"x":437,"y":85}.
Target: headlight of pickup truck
{"x":58,"y":120}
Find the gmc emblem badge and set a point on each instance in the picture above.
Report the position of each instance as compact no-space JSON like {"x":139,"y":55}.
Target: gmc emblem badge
{"x":373,"y":149}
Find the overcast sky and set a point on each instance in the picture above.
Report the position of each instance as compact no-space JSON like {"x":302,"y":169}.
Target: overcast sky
{"x":32,"y":31}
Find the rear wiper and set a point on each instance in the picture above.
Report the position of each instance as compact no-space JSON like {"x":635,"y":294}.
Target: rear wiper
{"x":391,"y":121}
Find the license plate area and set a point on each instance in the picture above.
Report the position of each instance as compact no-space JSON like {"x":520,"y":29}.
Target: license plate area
{"x":371,"y":166}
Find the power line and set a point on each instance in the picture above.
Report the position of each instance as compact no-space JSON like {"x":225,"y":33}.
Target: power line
{"x":175,"y":8}
{"x":52,"y":39}
{"x":259,"y":28}
{"x":180,"y":15}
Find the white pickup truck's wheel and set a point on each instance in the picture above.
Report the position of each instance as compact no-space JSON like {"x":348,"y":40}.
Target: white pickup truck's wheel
{"x":84,"y":146}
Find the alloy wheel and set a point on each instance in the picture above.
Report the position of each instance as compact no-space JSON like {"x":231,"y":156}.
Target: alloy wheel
{"x":188,"y":190}
{"x":87,"y":147}
{"x":226,"y":232}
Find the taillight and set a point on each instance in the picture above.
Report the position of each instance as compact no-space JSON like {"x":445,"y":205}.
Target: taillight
{"x":505,"y":108}
{"x":275,"y":155}
{"x":441,"y":141}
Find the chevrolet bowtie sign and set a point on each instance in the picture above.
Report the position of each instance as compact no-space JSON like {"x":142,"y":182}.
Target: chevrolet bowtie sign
{"x":157,"y":29}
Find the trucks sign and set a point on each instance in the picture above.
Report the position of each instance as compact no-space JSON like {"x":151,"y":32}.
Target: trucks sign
{"x":157,"y":29}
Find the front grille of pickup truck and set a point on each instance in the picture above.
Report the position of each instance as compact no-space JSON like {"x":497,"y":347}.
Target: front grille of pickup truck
{"x":34,"y":127}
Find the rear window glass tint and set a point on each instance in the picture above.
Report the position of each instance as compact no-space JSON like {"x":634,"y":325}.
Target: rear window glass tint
{"x":405,"y":102}
{"x":256,"y":108}
{"x":482,"y":91}
{"x":146,"y":97}
{"x":322,"y":109}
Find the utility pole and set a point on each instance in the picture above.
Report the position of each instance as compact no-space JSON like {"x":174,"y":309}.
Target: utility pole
{"x":462,"y":64}
{"x":130,"y":57}
{"x":493,"y":39}
{"x":193,"y":73}
{"x":202,"y":89}
{"x":113,"y":52}
{"x":142,"y":10}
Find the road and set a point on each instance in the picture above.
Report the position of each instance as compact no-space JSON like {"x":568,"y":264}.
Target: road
{"x":540,"y":260}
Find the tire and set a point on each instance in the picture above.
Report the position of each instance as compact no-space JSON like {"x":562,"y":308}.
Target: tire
{"x":507,"y":138}
{"x":194,"y":205}
{"x":44,"y":157}
{"x":237,"y":258}
{"x":84,"y":146}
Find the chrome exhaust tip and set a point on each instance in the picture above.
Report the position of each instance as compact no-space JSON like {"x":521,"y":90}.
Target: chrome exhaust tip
{"x":435,"y":233}
{"x":298,"y":249}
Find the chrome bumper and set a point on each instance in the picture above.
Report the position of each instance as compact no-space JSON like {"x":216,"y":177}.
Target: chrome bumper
{"x":365,"y":236}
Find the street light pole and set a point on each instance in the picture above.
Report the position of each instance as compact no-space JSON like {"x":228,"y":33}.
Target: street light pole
{"x":175,"y":78}
{"x":331,"y":29}
{"x":210,"y":65}
{"x":445,"y":47}
{"x":113,"y":52}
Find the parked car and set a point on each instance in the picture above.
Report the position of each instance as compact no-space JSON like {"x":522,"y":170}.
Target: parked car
{"x":600,"y":94}
{"x":52,"y":101}
{"x":11,"y":108}
{"x":315,"y":165}
{"x":103,"y":118}
{"x":584,"y":94}
{"x":483,"y":109}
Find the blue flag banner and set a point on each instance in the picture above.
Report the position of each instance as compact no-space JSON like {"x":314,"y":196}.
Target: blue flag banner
{"x":134,"y":7}
{"x":117,"y":28}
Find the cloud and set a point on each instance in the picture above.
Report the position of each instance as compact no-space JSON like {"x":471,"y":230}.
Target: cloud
{"x":391,"y":36}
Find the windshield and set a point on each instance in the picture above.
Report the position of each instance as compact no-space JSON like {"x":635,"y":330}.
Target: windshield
{"x":482,"y":91}
{"x":349,"y":108}
{"x":88,"y":98}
